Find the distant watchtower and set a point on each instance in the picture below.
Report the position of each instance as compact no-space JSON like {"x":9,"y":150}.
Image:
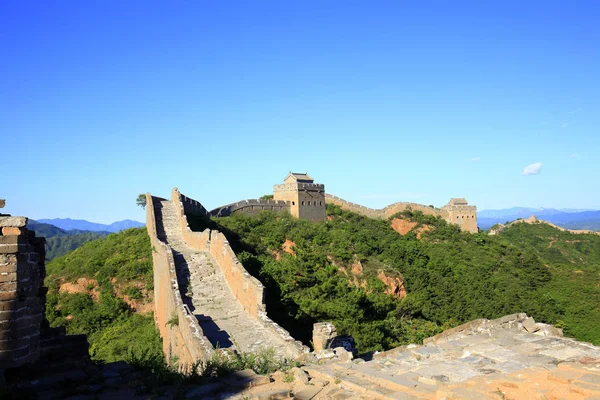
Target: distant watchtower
{"x":306,"y":198}
{"x":458,"y":211}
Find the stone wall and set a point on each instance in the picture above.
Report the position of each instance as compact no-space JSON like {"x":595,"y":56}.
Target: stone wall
{"x":183,"y":339}
{"x":250,"y":206}
{"x":464,"y":216}
{"x":22,"y":295}
{"x":247,"y":290}
{"x":382,"y":213}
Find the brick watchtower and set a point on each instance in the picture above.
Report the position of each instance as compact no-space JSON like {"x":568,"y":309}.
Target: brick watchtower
{"x":306,"y":198}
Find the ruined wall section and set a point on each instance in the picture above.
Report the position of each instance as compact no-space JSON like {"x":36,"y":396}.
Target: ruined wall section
{"x":250,"y":206}
{"x":464,"y":216}
{"x":247,"y":290}
{"x":353,"y":207}
{"x":22,"y":295}
{"x":383,"y":213}
{"x":182,"y":336}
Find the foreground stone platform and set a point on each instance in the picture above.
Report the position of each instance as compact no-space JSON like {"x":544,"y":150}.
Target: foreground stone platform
{"x":485,"y":361}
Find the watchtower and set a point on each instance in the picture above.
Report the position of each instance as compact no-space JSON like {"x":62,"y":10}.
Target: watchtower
{"x":458,"y":211}
{"x":306,"y":198}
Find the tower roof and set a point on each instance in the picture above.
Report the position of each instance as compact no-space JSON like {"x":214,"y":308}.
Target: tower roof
{"x":458,"y":201}
{"x":298,"y":177}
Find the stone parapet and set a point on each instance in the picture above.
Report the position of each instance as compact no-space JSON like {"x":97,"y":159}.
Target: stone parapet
{"x":182,"y":336}
{"x":247,"y":290}
{"x":250,"y":206}
{"x":22,"y":295}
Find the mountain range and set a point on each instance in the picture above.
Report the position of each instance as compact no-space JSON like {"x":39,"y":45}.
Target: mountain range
{"x":565,"y":218}
{"x":69,"y":224}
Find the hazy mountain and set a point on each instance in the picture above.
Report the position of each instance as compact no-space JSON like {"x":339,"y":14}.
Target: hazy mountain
{"x":566,"y":218}
{"x":60,"y":241}
{"x":83,"y":225}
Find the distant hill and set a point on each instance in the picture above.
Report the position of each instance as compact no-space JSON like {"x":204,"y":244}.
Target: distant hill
{"x":83,"y":225}
{"x":60,"y":241}
{"x":565,"y":218}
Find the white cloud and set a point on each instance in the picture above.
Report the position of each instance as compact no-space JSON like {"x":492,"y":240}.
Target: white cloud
{"x":564,"y":125}
{"x":574,"y":155}
{"x":474,"y":159}
{"x":533,"y":169}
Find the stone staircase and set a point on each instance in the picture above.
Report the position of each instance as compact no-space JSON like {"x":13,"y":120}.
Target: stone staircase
{"x":205,"y":291}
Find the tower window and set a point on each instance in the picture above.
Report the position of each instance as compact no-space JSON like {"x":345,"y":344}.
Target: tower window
{"x":302,"y":202}
{"x":309,"y":203}
{"x":293,"y":203}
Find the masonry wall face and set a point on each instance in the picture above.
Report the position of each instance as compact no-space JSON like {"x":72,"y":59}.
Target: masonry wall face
{"x":22,"y":295}
{"x":247,"y":290}
{"x":464,"y":216}
{"x":181,"y":334}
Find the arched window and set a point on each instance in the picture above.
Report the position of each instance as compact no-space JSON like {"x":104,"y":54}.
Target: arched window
{"x":293,"y":203}
{"x":309,"y":202}
{"x":302,"y":202}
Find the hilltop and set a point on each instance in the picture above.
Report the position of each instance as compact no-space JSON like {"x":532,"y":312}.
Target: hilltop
{"x":565,"y":218}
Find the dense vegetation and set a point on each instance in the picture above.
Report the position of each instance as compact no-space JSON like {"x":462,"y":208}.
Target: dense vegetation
{"x":118,"y":265}
{"x":451,"y":277}
{"x":573,"y":261}
{"x":59,"y":241}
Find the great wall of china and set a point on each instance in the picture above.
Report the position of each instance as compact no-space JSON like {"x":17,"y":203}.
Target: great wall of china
{"x":205,"y":301}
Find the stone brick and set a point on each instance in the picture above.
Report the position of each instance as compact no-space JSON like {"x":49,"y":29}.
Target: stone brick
{"x":13,"y":231}
{"x":2,"y":203}
{"x":8,"y":277}
{"x":8,"y":286}
{"x":530,"y":325}
{"x":6,"y":259}
{"x":17,"y":222}
{"x":8,"y":296}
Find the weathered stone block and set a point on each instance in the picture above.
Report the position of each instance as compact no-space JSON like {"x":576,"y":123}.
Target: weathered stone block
{"x":7,"y":277}
{"x":13,"y":231}
{"x":17,"y":222}
{"x":2,"y":203}
{"x":8,"y":296}
{"x":323,"y":333}
{"x":530,"y":325}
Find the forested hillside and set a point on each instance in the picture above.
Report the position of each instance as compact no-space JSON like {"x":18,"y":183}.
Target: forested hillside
{"x":104,"y":290}
{"x":450,"y":277}
{"x":382,"y":287}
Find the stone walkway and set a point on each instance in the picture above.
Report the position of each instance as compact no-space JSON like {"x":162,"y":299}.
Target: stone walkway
{"x":205,"y":291}
{"x":499,"y":364}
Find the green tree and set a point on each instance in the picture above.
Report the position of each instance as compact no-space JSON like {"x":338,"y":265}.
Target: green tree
{"x":141,"y":201}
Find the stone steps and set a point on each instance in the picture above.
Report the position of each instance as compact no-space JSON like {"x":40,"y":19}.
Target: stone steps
{"x":204,"y":288}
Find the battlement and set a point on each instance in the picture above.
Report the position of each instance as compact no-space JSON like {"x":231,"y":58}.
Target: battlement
{"x":299,"y":186}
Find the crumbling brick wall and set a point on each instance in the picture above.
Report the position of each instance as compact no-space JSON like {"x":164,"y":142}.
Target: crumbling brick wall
{"x":22,"y":295}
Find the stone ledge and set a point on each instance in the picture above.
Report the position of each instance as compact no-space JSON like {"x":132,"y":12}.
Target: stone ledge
{"x":13,"y":222}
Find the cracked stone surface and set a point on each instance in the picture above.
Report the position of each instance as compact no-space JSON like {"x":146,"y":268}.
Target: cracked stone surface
{"x":500,"y":363}
{"x":204,"y":289}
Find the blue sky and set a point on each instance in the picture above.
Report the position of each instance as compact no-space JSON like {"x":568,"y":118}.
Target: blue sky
{"x":381,"y":101}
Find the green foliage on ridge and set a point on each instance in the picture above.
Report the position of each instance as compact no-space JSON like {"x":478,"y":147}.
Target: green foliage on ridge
{"x":451,"y":276}
{"x":114,"y":331}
